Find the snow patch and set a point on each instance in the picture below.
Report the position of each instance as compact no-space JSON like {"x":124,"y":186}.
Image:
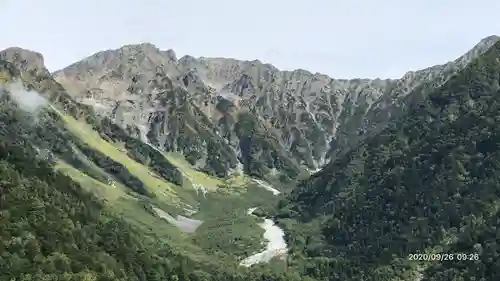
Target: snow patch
{"x":266,"y":186}
{"x":186,"y":224}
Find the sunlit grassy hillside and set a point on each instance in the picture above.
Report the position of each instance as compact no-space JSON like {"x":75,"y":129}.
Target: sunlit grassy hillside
{"x":226,"y":230}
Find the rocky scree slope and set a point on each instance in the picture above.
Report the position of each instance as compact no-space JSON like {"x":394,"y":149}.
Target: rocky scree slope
{"x":221,"y":112}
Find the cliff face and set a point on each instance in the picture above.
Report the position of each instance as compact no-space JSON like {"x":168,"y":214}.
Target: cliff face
{"x":221,"y":112}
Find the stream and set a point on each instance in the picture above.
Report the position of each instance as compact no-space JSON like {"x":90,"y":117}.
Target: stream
{"x":275,"y":236}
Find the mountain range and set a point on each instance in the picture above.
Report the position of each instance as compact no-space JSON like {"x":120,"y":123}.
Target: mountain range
{"x":221,"y":112}
{"x":109,"y":149}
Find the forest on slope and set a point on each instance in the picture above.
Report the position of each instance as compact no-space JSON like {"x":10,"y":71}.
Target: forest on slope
{"x":53,"y":229}
{"x":429,"y":183}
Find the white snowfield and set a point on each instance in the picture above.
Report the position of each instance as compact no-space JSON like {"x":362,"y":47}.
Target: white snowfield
{"x":266,"y":186}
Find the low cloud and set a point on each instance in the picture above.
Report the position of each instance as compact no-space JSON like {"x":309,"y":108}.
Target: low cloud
{"x":28,"y":100}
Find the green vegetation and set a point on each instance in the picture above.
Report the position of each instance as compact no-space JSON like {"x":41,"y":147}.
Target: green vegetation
{"x":142,"y":174}
{"x":261,"y":150}
{"x":427,"y":183}
{"x":77,"y":192}
{"x":227,"y":227}
{"x":191,"y":133}
{"x":196,"y":177}
{"x":138,"y":150}
{"x":96,"y":187}
{"x":232,"y":228}
{"x":53,"y":227}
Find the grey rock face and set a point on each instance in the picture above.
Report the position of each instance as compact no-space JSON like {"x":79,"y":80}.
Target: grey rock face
{"x":218,"y":110}
{"x":24,"y":59}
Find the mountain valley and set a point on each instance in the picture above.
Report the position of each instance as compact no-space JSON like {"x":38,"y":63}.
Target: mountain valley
{"x":133,"y":164}
{"x":299,"y":120}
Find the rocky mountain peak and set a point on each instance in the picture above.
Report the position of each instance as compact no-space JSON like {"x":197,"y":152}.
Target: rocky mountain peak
{"x":487,"y":42}
{"x":143,"y":55}
{"x":25,"y":60}
{"x":302,"y":119}
{"x":141,"y":47}
{"x":170,"y":54}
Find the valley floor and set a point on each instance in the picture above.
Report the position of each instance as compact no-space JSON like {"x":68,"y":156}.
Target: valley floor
{"x":205,"y":216}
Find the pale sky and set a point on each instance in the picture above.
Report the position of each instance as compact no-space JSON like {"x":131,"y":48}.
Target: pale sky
{"x":343,"y":39}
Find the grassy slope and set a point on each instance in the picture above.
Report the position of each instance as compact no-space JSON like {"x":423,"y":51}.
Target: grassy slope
{"x":211,"y":183}
{"x":121,"y":202}
{"x":129,"y":208}
{"x":227,"y":227}
{"x":227,"y":230}
{"x":110,"y":193}
{"x":224,"y":212}
{"x":153,"y":182}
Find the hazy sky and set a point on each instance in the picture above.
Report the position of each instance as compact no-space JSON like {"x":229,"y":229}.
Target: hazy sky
{"x":351,"y":38}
